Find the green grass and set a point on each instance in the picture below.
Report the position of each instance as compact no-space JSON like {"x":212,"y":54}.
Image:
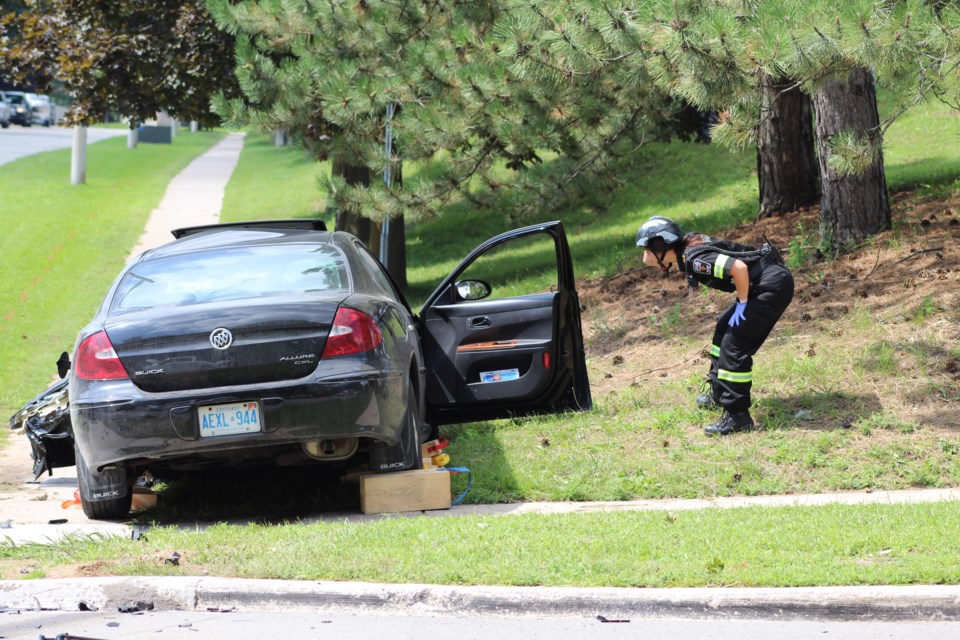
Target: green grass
{"x":63,"y":245}
{"x":757,"y":547}
{"x":274,"y":182}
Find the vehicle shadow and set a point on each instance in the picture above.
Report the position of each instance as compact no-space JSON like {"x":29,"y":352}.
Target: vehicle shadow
{"x":271,"y":495}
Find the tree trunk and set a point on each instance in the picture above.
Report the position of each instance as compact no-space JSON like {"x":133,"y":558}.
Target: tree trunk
{"x":397,"y":242}
{"x":369,"y":231}
{"x":786,"y":158}
{"x":349,"y":222}
{"x":853,"y":206}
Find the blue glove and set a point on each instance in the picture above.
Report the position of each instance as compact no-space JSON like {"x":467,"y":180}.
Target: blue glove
{"x":738,"y":316}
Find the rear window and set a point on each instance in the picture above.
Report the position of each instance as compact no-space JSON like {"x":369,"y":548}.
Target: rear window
{"x":232,"y":274}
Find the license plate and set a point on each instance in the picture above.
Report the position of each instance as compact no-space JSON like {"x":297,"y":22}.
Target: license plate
{"x":229,"y":419}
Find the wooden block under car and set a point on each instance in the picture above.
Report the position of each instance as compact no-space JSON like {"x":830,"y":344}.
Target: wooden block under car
{"x":419,"y":490}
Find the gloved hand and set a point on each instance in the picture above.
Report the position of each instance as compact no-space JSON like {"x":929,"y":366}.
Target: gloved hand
{"x":738,"y":316}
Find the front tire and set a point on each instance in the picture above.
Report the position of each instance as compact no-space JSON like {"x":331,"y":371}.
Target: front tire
{"x":104,"y":495}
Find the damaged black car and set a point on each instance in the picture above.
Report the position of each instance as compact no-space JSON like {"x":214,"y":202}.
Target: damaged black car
{"x":279,"y":342}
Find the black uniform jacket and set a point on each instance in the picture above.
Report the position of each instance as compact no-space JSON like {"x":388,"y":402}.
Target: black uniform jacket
{"x":709,"y":264}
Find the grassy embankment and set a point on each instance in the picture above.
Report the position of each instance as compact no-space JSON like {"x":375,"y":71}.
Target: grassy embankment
{"x":642,"y":440}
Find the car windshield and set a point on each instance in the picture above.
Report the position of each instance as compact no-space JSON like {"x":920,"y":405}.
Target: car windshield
{"x":232,"y":274}
{"x":14,"y":98}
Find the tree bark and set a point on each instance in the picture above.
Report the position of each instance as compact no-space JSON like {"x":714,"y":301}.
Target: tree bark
{"x":349,"y":222}
{"x":369,"y":231}
{"x":786,"y":157}
{"x":853,"y":206}
{"x":397,"y":245}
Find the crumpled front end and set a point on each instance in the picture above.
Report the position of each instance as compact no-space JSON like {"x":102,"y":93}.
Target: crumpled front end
{"x":46,"y":422}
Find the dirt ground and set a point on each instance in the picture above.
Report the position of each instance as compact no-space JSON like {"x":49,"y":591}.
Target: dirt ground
{"x":893,"y":273}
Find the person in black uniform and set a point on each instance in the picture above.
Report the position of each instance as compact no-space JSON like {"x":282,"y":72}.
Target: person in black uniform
{"x":764,"y":288}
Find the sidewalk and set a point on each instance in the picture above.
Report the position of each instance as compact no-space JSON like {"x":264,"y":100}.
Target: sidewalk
{"x":195,"y":197}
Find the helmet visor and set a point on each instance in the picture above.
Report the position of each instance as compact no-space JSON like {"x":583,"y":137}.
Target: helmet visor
{"x":652,"y":243}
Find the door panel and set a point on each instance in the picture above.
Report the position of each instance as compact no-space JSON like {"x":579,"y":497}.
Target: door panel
{"x":517,"y":352}
{"x":486,"y":338}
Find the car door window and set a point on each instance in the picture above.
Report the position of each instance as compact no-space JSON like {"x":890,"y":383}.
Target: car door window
{"x":521,"y":267}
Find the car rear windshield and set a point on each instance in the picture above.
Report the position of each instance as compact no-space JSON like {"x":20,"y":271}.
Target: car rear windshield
{"x":232,"y":274}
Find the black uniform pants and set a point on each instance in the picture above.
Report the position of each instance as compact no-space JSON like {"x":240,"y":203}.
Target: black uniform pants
{"x":731,"y":370}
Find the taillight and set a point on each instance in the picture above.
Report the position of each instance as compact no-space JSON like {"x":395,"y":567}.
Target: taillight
{"x":352,"y":332}
{"x":97,"y":360}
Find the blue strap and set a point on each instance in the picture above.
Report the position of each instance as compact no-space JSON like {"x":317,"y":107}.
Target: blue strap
{"x":469,"y":481}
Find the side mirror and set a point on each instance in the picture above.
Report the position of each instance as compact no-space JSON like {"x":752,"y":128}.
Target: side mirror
{"x":473,"y":289}
{"x":63,"y":365}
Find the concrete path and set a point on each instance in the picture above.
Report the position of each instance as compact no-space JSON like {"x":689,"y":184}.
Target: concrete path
{"x":194,"y":196}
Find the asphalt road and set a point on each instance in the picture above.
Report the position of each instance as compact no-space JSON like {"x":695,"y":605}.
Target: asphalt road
{"x":17,"y":142}
{"x":302,"y":625}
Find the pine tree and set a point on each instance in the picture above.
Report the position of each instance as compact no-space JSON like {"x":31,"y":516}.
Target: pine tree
{"x":715,"y":52}
{"x":473,"y":89}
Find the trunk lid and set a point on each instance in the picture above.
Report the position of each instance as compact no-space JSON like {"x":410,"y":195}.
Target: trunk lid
{"x":186,"y":348}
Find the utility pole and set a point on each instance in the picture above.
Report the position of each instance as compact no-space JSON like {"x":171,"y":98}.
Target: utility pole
{"x":388,"y":179}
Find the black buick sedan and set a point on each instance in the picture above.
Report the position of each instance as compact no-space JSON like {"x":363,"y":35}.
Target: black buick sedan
{"x":279,"y":342}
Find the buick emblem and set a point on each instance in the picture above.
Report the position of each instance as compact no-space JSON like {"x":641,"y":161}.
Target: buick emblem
{"x":221,"y":339}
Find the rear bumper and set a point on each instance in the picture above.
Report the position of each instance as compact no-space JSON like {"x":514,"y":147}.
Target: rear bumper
{"x":113,"y":427}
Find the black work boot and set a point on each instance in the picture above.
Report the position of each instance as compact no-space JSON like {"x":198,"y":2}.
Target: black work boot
{"x":730,"y":423}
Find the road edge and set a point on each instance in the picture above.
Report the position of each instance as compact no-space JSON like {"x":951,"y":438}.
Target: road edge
{"x":875,"y":603}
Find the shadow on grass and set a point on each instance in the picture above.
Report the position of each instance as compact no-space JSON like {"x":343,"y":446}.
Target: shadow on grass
{"x":479,"y":446}
{"x":824,"y":411}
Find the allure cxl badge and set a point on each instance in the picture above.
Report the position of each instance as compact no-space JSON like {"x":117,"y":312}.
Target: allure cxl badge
{"x":221,"y":339}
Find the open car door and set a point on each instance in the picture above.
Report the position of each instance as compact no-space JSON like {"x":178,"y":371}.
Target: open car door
{"x":501,"y":335}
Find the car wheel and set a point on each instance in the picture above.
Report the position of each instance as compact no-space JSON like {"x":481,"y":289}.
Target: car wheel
{"x":5,"y":125}
{"x":406,"y":453}
{"x":104,"y":495}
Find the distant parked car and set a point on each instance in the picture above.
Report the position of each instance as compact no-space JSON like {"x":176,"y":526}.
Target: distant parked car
{"x":41,"y":111}
{"x":19,"y":109}
{"x":4,"y":114}
{"x":278,"y":342}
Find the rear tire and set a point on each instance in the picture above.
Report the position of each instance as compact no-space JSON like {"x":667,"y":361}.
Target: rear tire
{"x":110,"y":482}
{"x":406,"y":453}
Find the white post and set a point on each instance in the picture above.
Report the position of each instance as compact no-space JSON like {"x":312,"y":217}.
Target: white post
{"x":78,"y":159}
{"x":279,"y":138}
{"x":133,"y":138}
{"x":194,"y":126}
{"x":174,"y":127}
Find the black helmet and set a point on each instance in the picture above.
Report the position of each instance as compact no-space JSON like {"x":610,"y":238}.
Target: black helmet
{"x":659,"y":227}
